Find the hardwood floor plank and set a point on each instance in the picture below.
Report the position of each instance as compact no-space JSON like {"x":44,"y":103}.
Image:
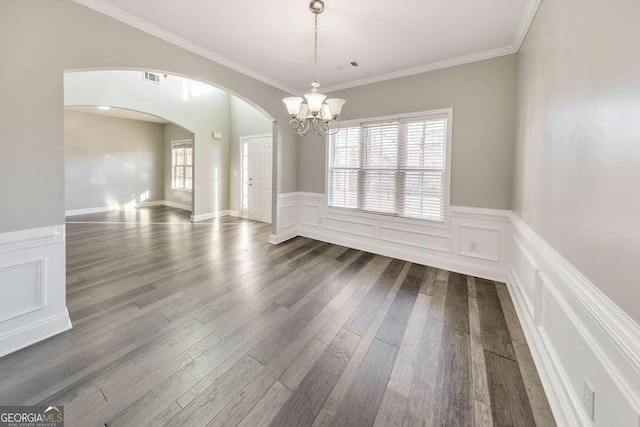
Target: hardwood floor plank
{"x":296,"y":372}
{"x":456,"y":313}
{"x":421,"y":404}
{"x":537,"y":398}
{"x":404,"y":368}
{"x":509,"y":400}
{"x":268,"y":407}
{"x":305,"y":404}
{"x":392,"y":409}
{"x":361,"y":403}
{"x":482,"y":413}
{"x":335,"y":399}
{"x":510,"y":315}
{"x":494,"y":330}
{"x":366,"y":311}
{"x":210,"y":402}
{"x":437,"y":308}
{"x":454,"y":390}
{"x":478,"y":367}
{"x":393,"y":328}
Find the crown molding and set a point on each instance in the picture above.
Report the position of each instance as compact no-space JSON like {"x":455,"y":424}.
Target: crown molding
{"x":525,"y":23}
{"x":523,"y":28}
{"x":481,"y":56}
{"x":127,"y":18}
{"x":147,"y":27}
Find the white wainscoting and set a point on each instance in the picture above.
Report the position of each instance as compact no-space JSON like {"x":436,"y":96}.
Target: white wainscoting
{"x":32,"y":287}
{"x":471,"y":242}
{"x":286,"y":218}
{"x":575,"y":332}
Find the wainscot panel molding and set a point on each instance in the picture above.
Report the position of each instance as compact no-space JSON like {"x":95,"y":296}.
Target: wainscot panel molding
{"x":32,"y":287}
{"x":470,"y":242}
{"x":575,"y":333}
{"x":287,"y":218}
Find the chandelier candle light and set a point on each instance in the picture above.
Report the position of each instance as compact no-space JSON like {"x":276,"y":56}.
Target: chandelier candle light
{"x":318,"y":114}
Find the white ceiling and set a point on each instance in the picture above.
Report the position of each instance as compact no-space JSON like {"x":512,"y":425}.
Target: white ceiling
{"x":272,"y":40}
{"x":119,"y":112}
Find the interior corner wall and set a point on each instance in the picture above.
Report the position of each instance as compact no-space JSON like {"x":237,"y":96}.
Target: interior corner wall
{"x":111,"y":161}
{"x":244,"y":120}
{"x":483,"y":97}
{"x":577,"y":181}
{"x":173,"y":132}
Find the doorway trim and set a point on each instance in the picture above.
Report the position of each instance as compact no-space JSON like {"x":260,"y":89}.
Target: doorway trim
{"x":241,"y":141}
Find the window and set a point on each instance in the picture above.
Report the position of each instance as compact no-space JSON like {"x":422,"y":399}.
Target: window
{"x":394,"y":167}
{"x":182,"y":165}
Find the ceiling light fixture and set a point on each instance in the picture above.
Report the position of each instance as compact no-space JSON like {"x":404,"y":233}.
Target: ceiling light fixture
{"x":318,"y":114}
{"x":104,"y":108}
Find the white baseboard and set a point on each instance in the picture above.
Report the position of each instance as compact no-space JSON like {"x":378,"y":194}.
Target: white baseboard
{"x":209,"y":215}
{"x":87,"y":211}
{"x":234,"y":213}
{"x":33,"y":287}
{"x":123,"y":207}
{"x":575,"y":333}
{"x":276,"y":239}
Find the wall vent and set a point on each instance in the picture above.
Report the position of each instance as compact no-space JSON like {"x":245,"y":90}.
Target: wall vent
{"x":151,"y":77}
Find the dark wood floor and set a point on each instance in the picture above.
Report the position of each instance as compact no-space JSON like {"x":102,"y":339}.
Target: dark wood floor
{"x":207,"y":324}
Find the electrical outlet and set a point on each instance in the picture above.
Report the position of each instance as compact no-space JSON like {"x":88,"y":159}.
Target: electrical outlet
{"x":473,"y":246}
{"x":589,"y":399}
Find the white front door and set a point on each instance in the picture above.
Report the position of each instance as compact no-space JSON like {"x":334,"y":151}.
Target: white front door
{"x":260,"y":156}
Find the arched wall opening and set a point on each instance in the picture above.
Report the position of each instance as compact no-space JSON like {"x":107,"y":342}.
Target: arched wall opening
{"x":217,"y":118}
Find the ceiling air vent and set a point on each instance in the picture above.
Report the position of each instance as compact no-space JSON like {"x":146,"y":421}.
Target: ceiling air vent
{"x":352,"y":64}
{"x":151,"y":77}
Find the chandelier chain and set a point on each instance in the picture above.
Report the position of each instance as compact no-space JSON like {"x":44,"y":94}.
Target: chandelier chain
{"x":315,"y":49}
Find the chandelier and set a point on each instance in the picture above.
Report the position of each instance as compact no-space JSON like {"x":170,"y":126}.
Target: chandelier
{"x":318,"y":114}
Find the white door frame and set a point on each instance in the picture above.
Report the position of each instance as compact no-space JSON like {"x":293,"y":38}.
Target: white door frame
{"x":242,"y":140}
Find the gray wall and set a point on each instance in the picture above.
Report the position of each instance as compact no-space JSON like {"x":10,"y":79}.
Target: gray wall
{"x":41,"y":39}
{"x":174,"y":132}
{"x":578,"y":150}
{"x":111,"y":161}
{"x":244,"y":120}
{"x":483,"y":96}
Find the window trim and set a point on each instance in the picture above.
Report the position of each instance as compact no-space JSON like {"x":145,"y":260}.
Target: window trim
{"x":173,"y":167}
{"x":439,"y":113}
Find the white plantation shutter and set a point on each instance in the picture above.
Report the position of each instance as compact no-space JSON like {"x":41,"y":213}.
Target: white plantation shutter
{"x":379,"y":167}
{"x":423,"y":169}
{"x":396,"y":167}
{"x":344,"y":168}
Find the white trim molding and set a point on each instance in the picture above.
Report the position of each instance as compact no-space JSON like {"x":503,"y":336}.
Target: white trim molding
{"x":148,"y":204}
{"x":306,"y":214}
{"x":210,"y":215}
{"x":147,"y":27}
{"x":575,"y":333}
{"x":32,"y":287}
{"x":143,"y":25}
